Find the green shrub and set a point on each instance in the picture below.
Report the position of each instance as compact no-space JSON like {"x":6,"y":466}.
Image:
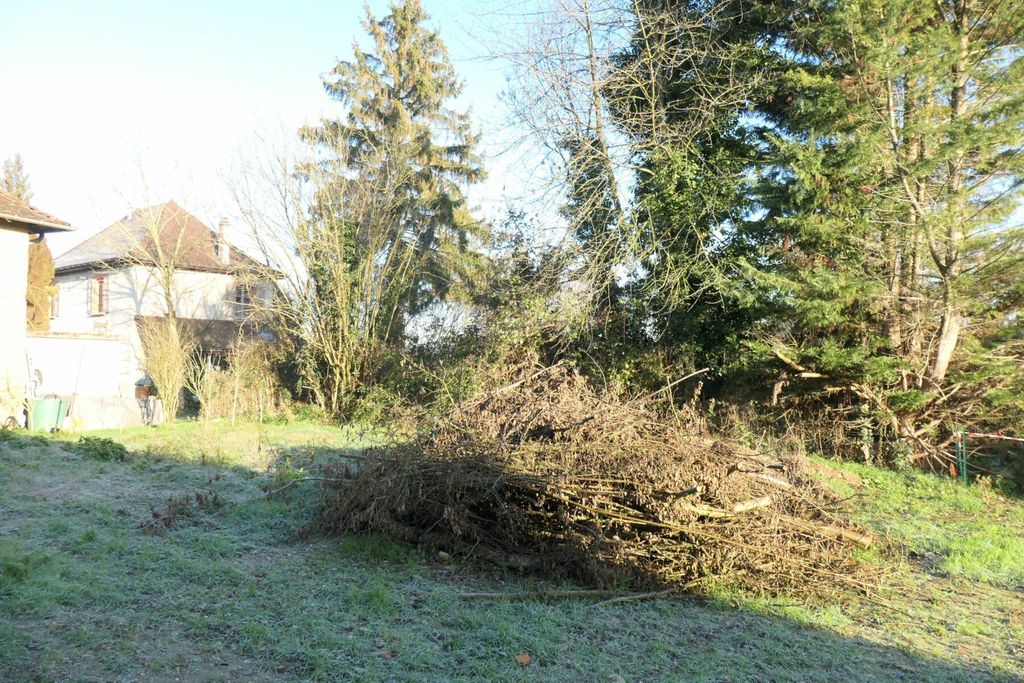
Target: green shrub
{"x":378,"y":405}
{"x":17,"y":567}
{"x":308,"y":412}
{"x":99,"y":448}
{"x":19,"y":439}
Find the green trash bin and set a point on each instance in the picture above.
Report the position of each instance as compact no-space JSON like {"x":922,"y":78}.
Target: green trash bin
{"x":62,"y":412}
{"x":47,"y":414}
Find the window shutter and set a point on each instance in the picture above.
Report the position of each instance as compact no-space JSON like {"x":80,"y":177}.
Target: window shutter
{"x":97,"y":295}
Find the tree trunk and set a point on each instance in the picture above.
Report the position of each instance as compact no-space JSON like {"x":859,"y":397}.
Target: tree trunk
{"x":949,"y":328}
{"x":949,"y":334}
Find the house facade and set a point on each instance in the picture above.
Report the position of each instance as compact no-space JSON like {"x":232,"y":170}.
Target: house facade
{"x":137,"y":269}
{"x":19,"y":223}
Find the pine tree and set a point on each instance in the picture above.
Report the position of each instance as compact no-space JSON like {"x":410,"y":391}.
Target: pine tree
{"x":902,"y":157}
{"x":399,"y":124}
{"x":679,"y":94}
{"x":15,"y":180}
{"x":389,"y":231}
{"x":862,"y":195}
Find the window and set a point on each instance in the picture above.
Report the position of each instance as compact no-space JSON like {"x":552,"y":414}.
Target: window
{"x":55,"y":301}
{"x":243,"y":299}
{"x":98,"y":295}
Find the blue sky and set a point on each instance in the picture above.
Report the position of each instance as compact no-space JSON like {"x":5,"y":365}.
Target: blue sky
{"x":99,"y":95}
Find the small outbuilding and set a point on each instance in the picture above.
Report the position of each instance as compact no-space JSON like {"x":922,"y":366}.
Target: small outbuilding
{"x":20,"y":222}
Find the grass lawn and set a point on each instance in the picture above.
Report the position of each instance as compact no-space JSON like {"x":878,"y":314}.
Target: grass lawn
{"x":242,"y":591}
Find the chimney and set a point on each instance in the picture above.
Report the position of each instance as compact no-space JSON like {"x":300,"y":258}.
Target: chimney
{"x":221,"y":246}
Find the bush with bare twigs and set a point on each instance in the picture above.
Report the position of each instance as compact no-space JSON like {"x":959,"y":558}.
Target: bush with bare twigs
{"x":247,"y":388}
{"x":166,"y":352}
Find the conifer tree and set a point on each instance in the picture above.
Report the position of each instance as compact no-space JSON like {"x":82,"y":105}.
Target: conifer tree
{"x":15,"y":180}
{"x":858,"y":212}
{"x":399,"y":124}
{"x":386,"y":231}
{"x":898,"y":165}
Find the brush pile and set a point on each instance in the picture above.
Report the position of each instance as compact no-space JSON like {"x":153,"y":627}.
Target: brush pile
{"x":542,"y":473}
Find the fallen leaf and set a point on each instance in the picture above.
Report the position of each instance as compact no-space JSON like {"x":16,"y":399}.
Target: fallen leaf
{"x":387,"y":653}
{"x":524,"y":659}
{"x":616,"y":678}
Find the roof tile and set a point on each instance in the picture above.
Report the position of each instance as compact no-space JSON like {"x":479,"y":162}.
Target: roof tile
{"x":16,"y":208}
{"x":162,"y":233}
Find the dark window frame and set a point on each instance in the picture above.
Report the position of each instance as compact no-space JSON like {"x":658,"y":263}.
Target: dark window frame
{"x":243,"y":298}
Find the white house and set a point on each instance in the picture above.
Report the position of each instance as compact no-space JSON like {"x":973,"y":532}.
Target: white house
{"x":19,"y":223}
{"x":112,"y":282}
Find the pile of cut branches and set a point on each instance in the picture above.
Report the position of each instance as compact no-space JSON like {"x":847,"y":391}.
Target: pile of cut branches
{"x":542,"y":472}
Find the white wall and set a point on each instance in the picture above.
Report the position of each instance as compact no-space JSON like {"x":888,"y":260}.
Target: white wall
{"x":89,"y":365}
{"x":73,"y":305}
{"x":135,"y":290}
{"x":99,"y":357}
{"x":100,"y":372}
{"x":13,"y":285}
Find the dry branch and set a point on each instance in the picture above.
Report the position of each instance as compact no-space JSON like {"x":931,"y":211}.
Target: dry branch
{"x":625,"y":495}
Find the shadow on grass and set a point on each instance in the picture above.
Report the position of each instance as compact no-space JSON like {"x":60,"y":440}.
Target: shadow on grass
{"x":321,"y":609}
{"x":728,"y":636}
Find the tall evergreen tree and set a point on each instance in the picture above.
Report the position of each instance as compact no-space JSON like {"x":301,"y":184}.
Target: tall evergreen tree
{"x":680,"y":94}
{"x":389,"y":232}
{"x":398,"y":105}
{"x":862,"y":195}
{"x":898,"y":164}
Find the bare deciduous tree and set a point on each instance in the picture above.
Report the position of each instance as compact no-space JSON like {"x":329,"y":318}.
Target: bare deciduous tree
{"x":332,"y":245}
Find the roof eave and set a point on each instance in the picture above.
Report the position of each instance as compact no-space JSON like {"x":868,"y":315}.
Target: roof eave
{"x":119,"y":262}
{"x":98,"y":264}
{"x":35,"y":225}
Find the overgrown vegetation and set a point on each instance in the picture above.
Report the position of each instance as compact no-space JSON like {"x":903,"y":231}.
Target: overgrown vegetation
{"x":244,"y":387}
{"x":821,"y":213}
{"x":819,"y":206}
{"x":167,"y":350}
{"x":785,"y":228}
{"x":100,"y":448}
{"x":373,"y":227}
